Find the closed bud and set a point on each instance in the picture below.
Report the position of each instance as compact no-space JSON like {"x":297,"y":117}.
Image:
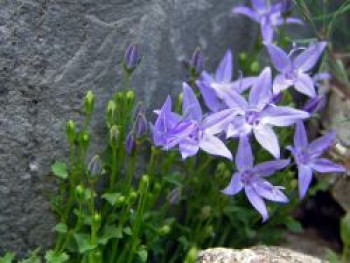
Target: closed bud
{"x":131,"y":58}
{"x":197,"y":61}
{"x":130,"y":96}
{"x":89,"y":102}
{"x":114,"y":135}
{"x":286,"y":7}
{"x":164,"y":230}
{"x":140,"y":125}
{"x":132,"y":197}
{"x":130,"y":144}
{"x":145,"y":179}
{"x":97,"y":219}
{"x":79,"y":191}
{"x":120,"y":201}
{"x":255,"y":67}
{"x":209,"y":230}
{"x":111,"y":112}
{"x":95,"y":167}
{"x":242,"y":57}
{"x":84,"y":140}
{"x":71,"y":132}
{"x":119,"y":97}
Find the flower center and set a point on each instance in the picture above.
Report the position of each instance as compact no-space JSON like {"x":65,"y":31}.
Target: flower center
{"x":303,"y":157}
{"x":252,"y":117}
{"x":247,"y":177}
{"x":291,"y":75}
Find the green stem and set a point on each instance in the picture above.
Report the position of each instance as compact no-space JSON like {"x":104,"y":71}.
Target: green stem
{"x":114,"y":166}
{"x":345,"y":254}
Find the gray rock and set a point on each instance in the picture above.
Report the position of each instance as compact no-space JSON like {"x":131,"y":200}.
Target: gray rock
{"x":52,"y":52}
{"x":259,"y":254}
{"x":337,"y":117}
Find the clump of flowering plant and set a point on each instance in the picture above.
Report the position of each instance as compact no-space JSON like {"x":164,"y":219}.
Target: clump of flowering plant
{"x":186,"y":194}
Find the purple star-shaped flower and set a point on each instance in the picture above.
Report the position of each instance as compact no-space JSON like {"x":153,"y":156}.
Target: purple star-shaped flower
{"x":268,"y":16}
{"x":252,"y":179}
{"x":293,"y":71}
{"x":258,"y":115}
{"x":307,"y":156}
{"x":215,"y":88}
{"x":199,"y":138}
{"x":187,"y":131}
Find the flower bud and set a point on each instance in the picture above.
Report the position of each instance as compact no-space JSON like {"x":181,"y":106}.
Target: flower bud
{"x":164,"y":230}
{"x":97,"y":219}
{"x":113,"y":135}
{"x":131,"y":58}
{"x":315,"y":104}
{"x":130,"y":144}
{"x":255,"y":67}
{"x":84,"y":140}
{"x":120,"y":201}
{"x":205,"y":213}
{"x":119,"y":97}
{"x":95,"y":166}
{"x":140,"y":126}
{"x":242,"y":57}
{"x":192,"y":255}
{"x":130,"y":96}
{"x":79,"y":191}
{"x":111,"y":112}
{"x":71,"y":132}
{"x":197,"y":61}
{"x":89,"y":102}
{"x":132,"y":197}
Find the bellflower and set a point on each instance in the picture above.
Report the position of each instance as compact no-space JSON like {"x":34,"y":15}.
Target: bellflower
{"x":268,"y":16}
{"x":187,"y":131}
{"x":258,"y":115}
{"x":294,"y":71}
{"x":252,"y":179}
{"x":215,"y":88}
{"x":199,"y":138}
{"x":307,"y":157}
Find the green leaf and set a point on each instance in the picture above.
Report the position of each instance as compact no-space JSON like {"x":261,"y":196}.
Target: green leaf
{"x":174,"y":178}
{"x":34,"y":258}
{"x":61,"y":228}
{"x":52,"y":257}
{"x":88,"y":194}
{"x":83,"y":242}
{"x":7,"y":258}
{"x":127,"y":230}
{"x":111,"y":197}
{"x":110,"y":232}
{"x":142,"y":253}
{"x":60,"y":170}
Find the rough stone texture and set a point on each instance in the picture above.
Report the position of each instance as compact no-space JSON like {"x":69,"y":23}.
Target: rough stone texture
{"x":337,"y":117}
{"x":259,"y":254}
{"x":53,"y":51}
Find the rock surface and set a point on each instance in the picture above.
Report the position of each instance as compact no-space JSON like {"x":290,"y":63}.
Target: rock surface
{"x":53,"y":51}
{"x":259,"y":254}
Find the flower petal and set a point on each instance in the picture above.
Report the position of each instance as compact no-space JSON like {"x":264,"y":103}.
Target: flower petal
{"x":282,"y":116}
{"x":267,"y":139}
{"x":268,"y":168}
{"x":212,"y":145}
{"x":266,"y":31}
{"x":244,"y":155}
{"x":281,"y":83}
{"x":294,"y":20}
{"x":318,"y":146}
{"x":279,"y":58}
{"x":257,"y":202}
{"x":309,"y":57}
{"x":224,"y":70}
{"x":217,"y":122}
{"x":235,"y":185}
{"x":304,"y":177}
{"x":188,"y":148}
{"x":242,"y":84}
{"x":259,"y":4}
{"x":209,"y":96}
{"x":246,"y":11}
{"x":260,"y":94}
{"x":300,"y":136}
{"x":270,"y":192}
{"x":190,"y":105}
{"x":304,"y":84}
{"x":326,"y":166}
{"x":235,"y":100}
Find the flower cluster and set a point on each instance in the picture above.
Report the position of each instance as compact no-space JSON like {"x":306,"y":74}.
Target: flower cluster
{"x":248,"y":108}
